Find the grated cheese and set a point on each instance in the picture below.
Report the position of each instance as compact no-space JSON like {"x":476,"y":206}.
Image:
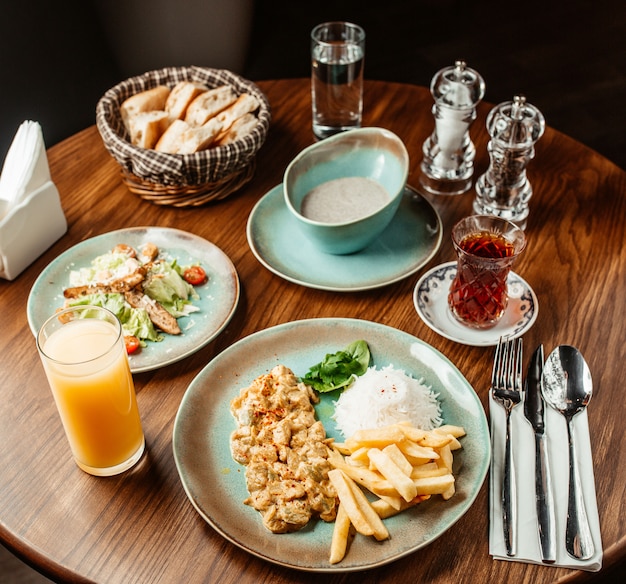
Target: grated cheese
{"x":381,"y":397}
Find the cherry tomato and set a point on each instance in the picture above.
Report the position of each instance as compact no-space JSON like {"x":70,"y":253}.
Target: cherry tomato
{"x":195,"y":275}
{"x":132,"y":344}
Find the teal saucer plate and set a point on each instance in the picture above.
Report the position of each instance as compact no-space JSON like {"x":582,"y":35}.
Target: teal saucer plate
{"x":409,"y":242}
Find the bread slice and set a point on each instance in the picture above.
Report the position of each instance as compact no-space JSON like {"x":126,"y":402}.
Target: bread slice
{"x":183,"y":93}
{"x":144,"y":101}
{"x":197,"y":138}
{"x":240,"y":127}
{"x":173,"y":138}
{"x":146,"y":128}
{"x":246,"y":103}
{"x":209,"y":103}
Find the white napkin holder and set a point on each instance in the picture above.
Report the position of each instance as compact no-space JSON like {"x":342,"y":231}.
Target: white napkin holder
{"x":31,"y":217}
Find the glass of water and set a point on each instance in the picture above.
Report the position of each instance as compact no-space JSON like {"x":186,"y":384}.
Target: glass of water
{"x":337,"y":56}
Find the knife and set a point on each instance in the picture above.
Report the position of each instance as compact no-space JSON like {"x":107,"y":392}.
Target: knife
{"x":534,"y":412}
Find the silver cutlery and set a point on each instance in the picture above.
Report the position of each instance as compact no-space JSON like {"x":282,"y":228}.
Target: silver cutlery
{"x":544,"y":500}
{"x":567,"y":387}
{"x":506,"y":390}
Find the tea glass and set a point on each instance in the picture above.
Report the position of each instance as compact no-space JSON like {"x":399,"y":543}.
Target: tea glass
{"x":84,"y":356}
{"x":486,"y":248}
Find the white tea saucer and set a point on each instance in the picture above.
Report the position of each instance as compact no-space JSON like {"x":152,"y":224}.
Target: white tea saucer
{"x":411,"y":240}
{"x":431,"y":302}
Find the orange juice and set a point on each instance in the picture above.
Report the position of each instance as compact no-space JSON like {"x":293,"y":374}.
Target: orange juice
{"x":87,"y":368}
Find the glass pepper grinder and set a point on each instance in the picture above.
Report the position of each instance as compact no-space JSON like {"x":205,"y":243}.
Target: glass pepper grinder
{"x":448,"y":163}
{"x":504,"y":190}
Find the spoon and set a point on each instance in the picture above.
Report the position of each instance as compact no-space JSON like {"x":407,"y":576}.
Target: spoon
{"x":567,"y":387}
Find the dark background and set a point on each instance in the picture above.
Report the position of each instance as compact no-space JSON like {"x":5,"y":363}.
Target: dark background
{"x":567,"y":57}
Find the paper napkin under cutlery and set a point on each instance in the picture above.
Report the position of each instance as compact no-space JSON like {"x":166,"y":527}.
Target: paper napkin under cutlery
{"x":31,"y":217}
{"x":523,"y":444}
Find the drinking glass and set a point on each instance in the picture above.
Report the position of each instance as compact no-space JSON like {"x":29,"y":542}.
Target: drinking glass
{"x":84,"y":356}
{"x":486,"y":248}
{"x":337,"y":56}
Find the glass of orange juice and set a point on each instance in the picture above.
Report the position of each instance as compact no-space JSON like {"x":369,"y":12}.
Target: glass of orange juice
{"x":83,"y":353}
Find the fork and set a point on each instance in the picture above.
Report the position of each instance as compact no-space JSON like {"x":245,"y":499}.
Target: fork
{"x":506,"y":390}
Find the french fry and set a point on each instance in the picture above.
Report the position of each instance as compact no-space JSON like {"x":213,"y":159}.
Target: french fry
{"x":456,"y":431}
{"x":432,"y":469}
{"x":385,"y":510}
{"x":371,"y":480}
{"x":433,"y":485}
{"x":446,"y":457}
{"x":341,"y":448}
{"x":346,"y":497}
{"x":380,"y":531}
{"x":449,"y":492}
{"x":360,"y":455}
{"x":394,"y":501}
{"x":453,"y":432}
{"x":411,"y":432}
{"x":416,"y":451}
{"x":391,"y":471}
{"x":341,"y":535}
{"x":435,"y":440}
{"x":454,"y":443}
{"x":398,"y":458}
{"x":375,"y":438}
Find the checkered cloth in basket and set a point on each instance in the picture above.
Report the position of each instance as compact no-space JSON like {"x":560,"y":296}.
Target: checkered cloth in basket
{"x":214,"y":165}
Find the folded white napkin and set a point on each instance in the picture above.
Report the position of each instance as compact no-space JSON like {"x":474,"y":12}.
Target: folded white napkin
{"x":25,"y":168}
{"x":31,"y":216}
{"x":528,"y":548}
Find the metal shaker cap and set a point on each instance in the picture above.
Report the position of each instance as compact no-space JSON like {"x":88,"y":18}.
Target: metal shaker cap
{"x":458,"y":87}
{"x":516,"y":124}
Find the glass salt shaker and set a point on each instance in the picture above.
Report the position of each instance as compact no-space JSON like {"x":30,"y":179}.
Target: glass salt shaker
{"x":504,"y":190}
{"x":448,"y":163}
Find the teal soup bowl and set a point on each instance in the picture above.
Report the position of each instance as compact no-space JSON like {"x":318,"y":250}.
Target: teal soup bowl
{"x":344,"y":191}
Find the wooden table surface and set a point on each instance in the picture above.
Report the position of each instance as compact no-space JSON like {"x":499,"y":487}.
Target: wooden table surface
{"x":140,"y":526}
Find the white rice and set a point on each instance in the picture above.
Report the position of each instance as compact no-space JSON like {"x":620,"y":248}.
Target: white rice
{"x":381,"y":397}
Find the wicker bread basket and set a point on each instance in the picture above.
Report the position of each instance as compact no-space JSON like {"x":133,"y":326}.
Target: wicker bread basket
{"x":181,"y":179}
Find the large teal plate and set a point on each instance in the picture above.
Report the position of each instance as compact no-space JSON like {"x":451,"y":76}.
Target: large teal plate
{"x":411,"y":240}
{"x":218,"y":297}
{"x":215,"y":484}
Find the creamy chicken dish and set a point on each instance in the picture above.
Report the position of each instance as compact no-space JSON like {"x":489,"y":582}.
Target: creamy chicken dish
{"x":284,"y":449}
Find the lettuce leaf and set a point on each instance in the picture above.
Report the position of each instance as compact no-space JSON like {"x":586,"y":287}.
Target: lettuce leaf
{"x":135,"y":321}
{"x":166,"y":286}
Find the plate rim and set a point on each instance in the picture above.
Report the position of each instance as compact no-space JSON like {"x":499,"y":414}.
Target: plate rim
{"x":408,"y":189}
{"x":46,"y":271}
{"x":483,"y":440}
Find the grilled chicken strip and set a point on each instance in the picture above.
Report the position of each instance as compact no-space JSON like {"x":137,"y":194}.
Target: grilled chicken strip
{"x":161,"y":318}
{"x":119,"y":286}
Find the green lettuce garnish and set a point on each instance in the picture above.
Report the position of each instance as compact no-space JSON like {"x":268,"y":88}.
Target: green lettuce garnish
{"x":166,"y":286}
{"x":135,"y":321}
{"x":339,"y":369}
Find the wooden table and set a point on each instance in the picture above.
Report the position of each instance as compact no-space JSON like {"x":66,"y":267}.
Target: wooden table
{"x":140,"y":526}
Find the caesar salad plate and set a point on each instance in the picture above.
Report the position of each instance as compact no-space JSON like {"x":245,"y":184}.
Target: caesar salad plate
{"x":218,"y":296}
{"x":215,"y":484}
{"x":430,"y":297}
{"x":409,"y":242}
